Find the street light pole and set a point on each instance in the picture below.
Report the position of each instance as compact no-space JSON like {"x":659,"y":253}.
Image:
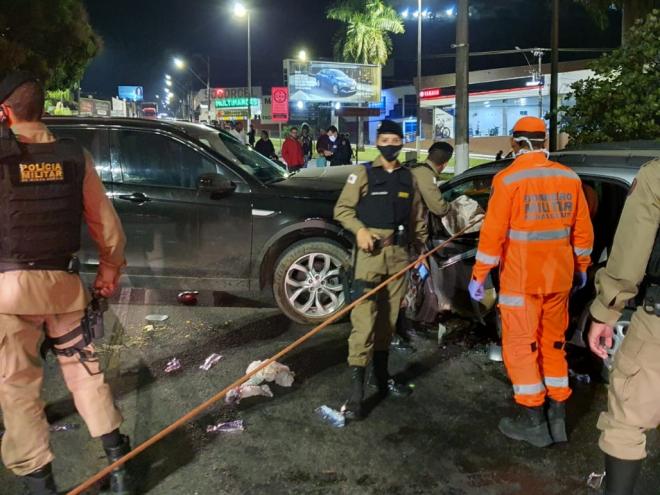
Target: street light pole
{"x":418,"y":144}
{"x":462,"y":91}
{"x":249,"y":72}
{"x":554,"y":78}
{"x":208,"y":87}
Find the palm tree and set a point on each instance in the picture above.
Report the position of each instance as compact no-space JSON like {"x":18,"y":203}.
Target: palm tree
{"x":632,"y":10}
{"x":365,"y":38}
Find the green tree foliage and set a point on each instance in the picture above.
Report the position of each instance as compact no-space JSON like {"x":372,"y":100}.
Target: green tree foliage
{"x":632,"y":10}
{"x":52,"y":39}
{"x":620,"y":102}
{"x":365,"y":38}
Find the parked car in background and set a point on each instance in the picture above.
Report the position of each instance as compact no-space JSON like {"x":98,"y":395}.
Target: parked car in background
{"x":336,"y":81}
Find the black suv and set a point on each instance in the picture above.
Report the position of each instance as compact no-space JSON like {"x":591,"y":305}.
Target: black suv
{"x":201,"y":211}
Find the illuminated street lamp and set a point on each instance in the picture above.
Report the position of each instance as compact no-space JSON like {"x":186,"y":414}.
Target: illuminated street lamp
{"x":241,"y":11}
{"x":302,"y":56}
{"x":168,"y":82}
{"x":168,"y":77}
{"x":179,"y":63}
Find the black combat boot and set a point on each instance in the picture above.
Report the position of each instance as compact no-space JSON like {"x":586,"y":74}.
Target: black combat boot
{"x":353,"y":407}
{"x":121,"y":482}
{"x":383,"y":381}
{"x":529,"y":425}
{"x":557,"y":421}
{"x":401,"y":340}
{"x":41,"y":482}
{"x":621,"y":476}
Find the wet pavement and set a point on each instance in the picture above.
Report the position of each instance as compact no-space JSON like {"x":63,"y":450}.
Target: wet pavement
{"x":441,"y":440}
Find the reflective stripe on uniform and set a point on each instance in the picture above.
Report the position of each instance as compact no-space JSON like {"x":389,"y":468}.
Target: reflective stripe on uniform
{"x":582,"y":251}
{"x":514,"y":301}
{"x":539,"y":173}
{"x":554,"y":381}
{"x":535,"y":388}
{"x":487,"y":259}
{"x":539,"y":235}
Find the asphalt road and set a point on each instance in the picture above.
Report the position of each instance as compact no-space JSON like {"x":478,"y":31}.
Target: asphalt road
{"x":442,"y":440}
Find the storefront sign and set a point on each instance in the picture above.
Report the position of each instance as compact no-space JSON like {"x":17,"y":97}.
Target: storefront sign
{"x":236,"y":102}
{"x":280,"y":104}
{"x":430,"y":93}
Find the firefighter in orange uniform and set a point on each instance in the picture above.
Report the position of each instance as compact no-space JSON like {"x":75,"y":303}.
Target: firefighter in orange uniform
{"x":538,"y":230}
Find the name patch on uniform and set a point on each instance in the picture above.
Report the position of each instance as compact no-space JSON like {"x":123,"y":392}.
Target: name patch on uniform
{"x":351,"y":179}
{"x":404,"y":194}
{"x":41,"y":172}
{"x":380,"y":193}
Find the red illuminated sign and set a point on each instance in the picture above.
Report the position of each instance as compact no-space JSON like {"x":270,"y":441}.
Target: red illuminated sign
{"x":429,"y":93}
{"x":280,"y":104}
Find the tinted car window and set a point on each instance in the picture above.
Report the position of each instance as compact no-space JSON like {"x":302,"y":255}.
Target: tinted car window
{"x":477,"y":188}
{"x":157,"y":160}
{"x":93,"y":141}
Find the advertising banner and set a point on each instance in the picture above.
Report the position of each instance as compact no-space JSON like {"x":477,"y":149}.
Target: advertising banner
{"x":131,"y":93}
{"x":443,"y":124}
{"x":317,"y":81}
{"x":280,"y":104}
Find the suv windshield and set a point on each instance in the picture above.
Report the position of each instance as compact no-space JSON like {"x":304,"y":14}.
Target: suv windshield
{"x":245,"y":157}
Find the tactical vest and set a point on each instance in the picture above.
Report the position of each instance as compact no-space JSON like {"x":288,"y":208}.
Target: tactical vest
{"x":41,"y":203}
{"x":389,"y":198}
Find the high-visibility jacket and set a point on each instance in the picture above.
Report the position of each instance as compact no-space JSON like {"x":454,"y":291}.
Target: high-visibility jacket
{"x":537,"y":227}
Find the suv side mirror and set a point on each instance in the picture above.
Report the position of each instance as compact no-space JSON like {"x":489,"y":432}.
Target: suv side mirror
{"x":215,"y":184}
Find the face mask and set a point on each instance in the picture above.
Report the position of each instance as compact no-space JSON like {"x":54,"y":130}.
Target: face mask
{"x":390,"y":152}
{"x":332,"y":138}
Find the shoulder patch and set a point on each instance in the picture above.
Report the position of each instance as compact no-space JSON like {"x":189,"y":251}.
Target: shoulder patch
{"x":351,"y":179}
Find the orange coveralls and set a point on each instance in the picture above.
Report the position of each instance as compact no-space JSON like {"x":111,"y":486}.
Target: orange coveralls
{"x":539,"y":231}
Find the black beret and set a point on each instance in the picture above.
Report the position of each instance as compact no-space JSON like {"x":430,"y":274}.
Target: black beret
{"x":390,"y":127}
{"x":13,"y":81}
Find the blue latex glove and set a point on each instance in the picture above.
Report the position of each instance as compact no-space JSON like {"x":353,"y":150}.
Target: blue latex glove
{"x":476,"y":290}
{"x":579,"y":280}
{"x":423,"y":272}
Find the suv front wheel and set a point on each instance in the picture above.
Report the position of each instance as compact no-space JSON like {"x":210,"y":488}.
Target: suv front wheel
{"x":307,"y":282}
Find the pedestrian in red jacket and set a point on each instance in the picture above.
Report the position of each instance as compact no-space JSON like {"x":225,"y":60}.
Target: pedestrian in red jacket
{"x":292,"y":152}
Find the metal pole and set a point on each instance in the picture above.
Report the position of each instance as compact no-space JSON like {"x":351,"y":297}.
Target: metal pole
{"x":208,"y":88}
{"x":462,"y":95}
{"x":554,"y":76}
{"x":418,"y":144}
{"x":249,"y":74}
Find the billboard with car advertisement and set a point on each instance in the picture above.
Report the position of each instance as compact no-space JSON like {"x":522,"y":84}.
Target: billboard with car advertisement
{"x":317,"y":81}
{"x":131,"y":93}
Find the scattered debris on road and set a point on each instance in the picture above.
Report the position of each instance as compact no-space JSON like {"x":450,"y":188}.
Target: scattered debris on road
{"x":64,"y":427}
{"x":331,"y":416}
{"x":210,"y":361}
{"x":226,"y":427}
{"x":274,"y":372}
{"x":246,"y":390}
{"x":595,"y":480}
{"x":156,"y":318}
{"x":172,"y":365}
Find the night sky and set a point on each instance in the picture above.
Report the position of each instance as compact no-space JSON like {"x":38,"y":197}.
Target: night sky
{"x":141,"y":37}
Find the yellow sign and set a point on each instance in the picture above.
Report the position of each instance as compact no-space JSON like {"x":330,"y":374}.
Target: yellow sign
{"x":41,"y":172}
{"x":404,"y":194}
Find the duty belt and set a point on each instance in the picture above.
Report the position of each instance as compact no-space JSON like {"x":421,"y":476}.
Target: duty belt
{"x":70,"y":264}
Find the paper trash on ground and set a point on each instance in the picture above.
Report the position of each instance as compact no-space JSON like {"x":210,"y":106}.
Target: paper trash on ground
{"x":226,"y":427}
{"x":210,"y":361}
{"x":274,"y":372}
{"x":172,"y":365}
{"x":247,"y":390}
